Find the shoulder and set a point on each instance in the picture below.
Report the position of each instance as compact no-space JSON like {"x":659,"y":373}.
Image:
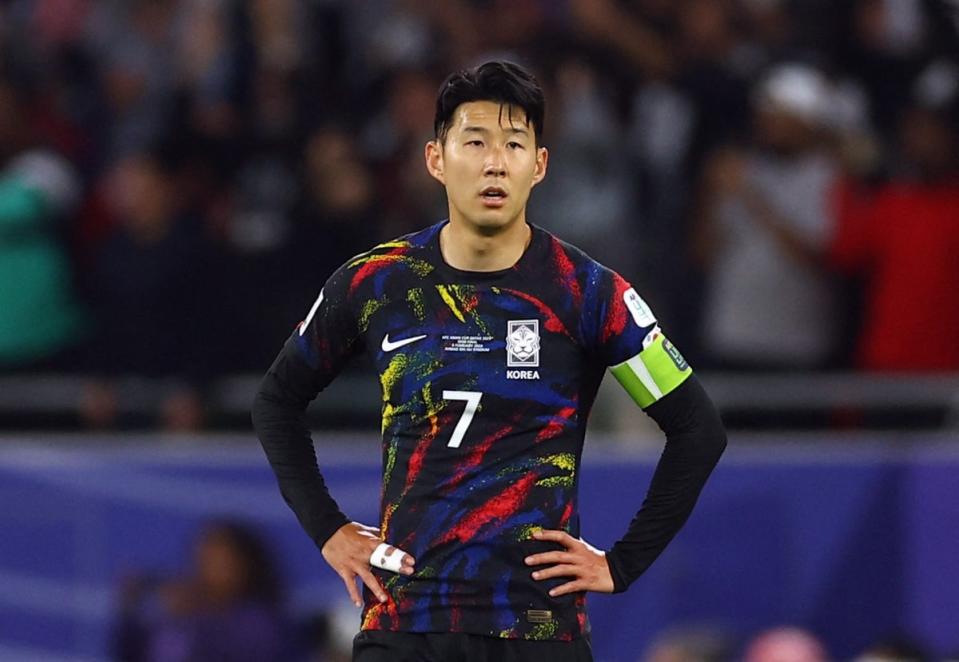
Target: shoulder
{"x":614,"y":317}
{"x":603,"y":299}
{"x":407,"y":245}
{"x":561,"y":250}
{"x":405,"y":254}
{"x":585,"y":277}
{"x":572,"y":264}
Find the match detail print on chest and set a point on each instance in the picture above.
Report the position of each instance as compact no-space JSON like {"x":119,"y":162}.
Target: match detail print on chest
{"x":468,"y":326}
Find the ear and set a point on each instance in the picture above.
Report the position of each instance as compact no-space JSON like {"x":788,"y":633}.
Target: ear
{"x":434,"y":160}
{"x":542,"y":160}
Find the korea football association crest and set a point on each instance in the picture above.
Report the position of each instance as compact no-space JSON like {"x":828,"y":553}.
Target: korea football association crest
{"x":522,"y":348}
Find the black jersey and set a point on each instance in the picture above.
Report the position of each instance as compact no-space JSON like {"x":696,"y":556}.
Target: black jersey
{"x":487,"y":383}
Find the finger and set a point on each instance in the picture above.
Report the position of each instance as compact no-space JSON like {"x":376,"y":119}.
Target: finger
{"x":557,"y":536}
{"x":351,"y":588}
{"x":569,"y":587}
{"x":389,"y":557}
{"x":406,"y":561}
{"x":564,"y":570}
{"x":373,"y":584}
{"x":551,"y":557}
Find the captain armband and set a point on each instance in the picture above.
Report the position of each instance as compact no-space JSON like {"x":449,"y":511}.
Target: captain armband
{"x":654,"y":372}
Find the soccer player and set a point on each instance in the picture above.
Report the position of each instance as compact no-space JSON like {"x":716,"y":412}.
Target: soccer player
{"x":490,"y":337}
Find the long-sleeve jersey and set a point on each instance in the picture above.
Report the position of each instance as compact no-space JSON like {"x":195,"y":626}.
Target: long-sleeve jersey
{"x":487,"y":383}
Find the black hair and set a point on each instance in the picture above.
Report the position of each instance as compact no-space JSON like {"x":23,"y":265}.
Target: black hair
{"x":502,"y":82}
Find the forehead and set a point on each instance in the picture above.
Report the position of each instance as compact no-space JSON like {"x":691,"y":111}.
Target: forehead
{"x":488,"y":115}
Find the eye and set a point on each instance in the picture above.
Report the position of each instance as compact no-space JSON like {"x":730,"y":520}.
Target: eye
{"x":477,"y":143}
{"x":514,"y":145}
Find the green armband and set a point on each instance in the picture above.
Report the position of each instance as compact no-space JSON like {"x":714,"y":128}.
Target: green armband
{"x":652,"y":373}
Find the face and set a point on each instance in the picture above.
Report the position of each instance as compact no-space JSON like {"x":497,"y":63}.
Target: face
{"x":11,"y":121}
{"x":339,"y":181}
{"x":927,"y":141}
{"x":220,"y":567}
{"x":488,"y":163}
{"x":782,"y":132}
{"x":141,"y":195}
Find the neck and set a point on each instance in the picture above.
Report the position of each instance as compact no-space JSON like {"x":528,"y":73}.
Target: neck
{"x":468,"y":249}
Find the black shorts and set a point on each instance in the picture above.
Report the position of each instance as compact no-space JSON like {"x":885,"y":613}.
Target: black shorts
{"x":380,"y":646}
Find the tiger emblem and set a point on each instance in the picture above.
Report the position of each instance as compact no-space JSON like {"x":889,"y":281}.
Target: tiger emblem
{"x":522,"y":343}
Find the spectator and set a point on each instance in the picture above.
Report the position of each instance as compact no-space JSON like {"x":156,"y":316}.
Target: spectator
{"x":227,"y":607}
{"x":787,"y":644}
{"x":149,"y":284}
{"x":339,"y":197}
{"x":259,"y":225}
{"x":208,"y":75}
{"x":646,"y":90}
{"x":132,"y":43}
{"x":393,"y":141}
{"x":328,"y":220}
{"x":771,"y":32}
{"x":390,"y":35}
{"x":675,"y":123}
{"x":689,"y":645}
{"x":902,"y":238}
{"x":587,"y":194}
{"x":764,"y":226}
{"x":881,"y":44}
{"x":41,"y":321}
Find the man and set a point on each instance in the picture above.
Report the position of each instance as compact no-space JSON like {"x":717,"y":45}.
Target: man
{"x":490,"y":337}
{"x":41,"y":320}
{"x":901,"y":237}
{"x":763,"y":231}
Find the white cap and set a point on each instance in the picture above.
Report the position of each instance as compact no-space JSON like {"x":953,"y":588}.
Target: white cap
{"x":798,"y":90}
{"x":51,"y":175}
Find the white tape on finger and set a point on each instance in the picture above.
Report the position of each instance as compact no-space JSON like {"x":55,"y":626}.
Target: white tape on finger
{"x":387,"y":557}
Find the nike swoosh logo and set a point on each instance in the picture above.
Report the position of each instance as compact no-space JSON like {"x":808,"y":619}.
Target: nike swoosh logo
{"x":390,"y":346}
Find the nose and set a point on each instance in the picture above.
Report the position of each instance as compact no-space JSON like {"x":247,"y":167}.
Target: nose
{"x":495,"y":165}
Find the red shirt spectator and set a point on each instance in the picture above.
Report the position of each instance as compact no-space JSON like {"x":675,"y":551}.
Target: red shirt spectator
{"x":905,"y":240}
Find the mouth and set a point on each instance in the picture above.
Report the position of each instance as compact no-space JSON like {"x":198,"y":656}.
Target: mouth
{"x":493,"y":196}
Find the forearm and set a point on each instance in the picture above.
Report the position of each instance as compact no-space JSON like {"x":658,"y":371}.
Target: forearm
{"x":706,"y":239}
{"x":640,"y":44}
{"x":794,"y":245}
{"x":695,"y":439}
{"x":279,"y":419}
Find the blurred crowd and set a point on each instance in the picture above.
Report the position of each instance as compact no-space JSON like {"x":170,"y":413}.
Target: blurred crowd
{"x":178,"y":177}
{"x":229,"y":604}
{"x":779,"y":644}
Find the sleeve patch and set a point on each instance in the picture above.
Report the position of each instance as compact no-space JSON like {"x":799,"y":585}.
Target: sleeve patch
{"x":642,"y":313}
{"x":653,"y":373}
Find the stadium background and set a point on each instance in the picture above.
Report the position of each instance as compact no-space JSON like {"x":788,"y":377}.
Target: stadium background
{"x":177,"y":178}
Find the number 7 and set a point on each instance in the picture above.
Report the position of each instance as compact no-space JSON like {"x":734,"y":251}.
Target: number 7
{"x":472,"y":399}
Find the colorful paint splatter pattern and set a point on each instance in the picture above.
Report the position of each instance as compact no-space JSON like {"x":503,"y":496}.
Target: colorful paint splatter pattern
{"x":466,"y":509}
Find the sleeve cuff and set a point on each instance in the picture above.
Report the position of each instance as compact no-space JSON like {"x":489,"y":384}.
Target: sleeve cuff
{"x":615,"y":570}
{"x":328,"y":527}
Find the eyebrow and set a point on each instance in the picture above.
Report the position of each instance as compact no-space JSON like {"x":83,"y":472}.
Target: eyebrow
{"x":480,"y":129}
